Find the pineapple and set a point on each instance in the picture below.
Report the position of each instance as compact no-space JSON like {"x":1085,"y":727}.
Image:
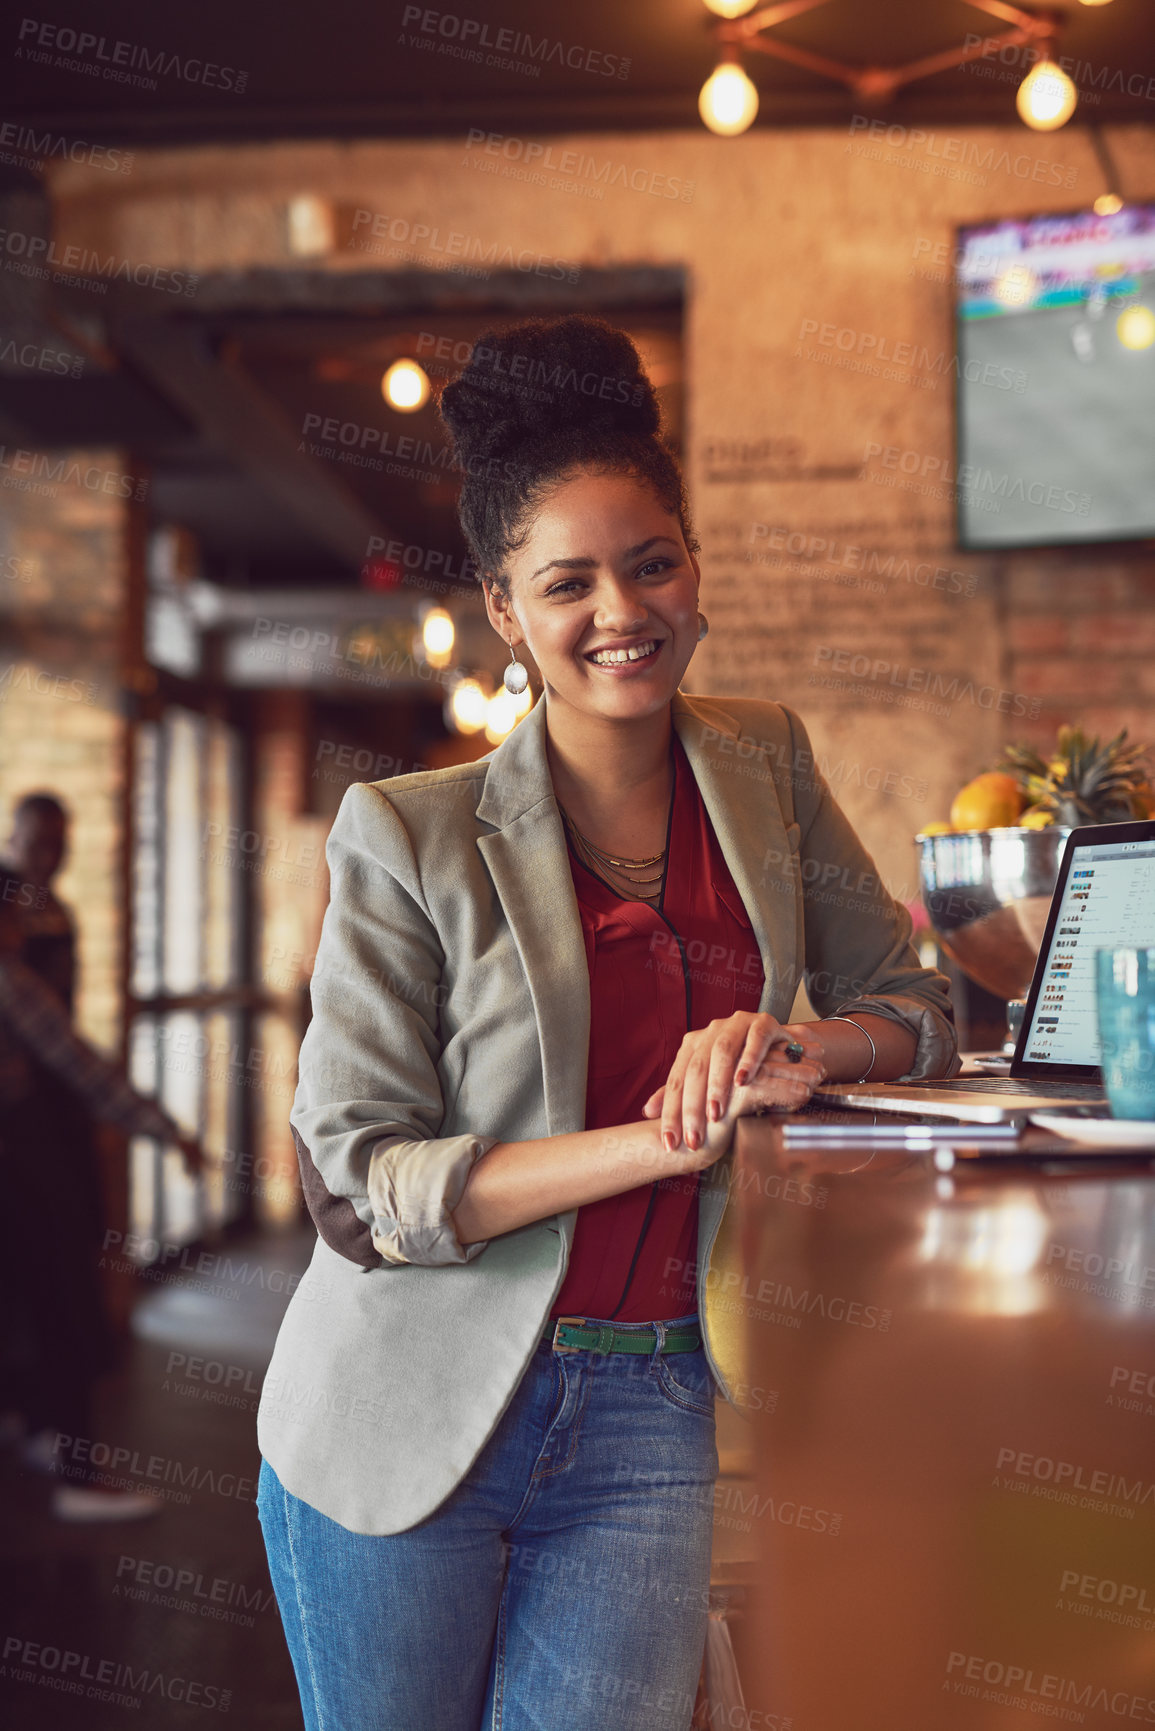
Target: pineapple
{"x":1084,"y":782}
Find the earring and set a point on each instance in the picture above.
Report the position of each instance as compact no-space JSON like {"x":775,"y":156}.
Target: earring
{"x":703,"y":626}
{"x":515,"y":678}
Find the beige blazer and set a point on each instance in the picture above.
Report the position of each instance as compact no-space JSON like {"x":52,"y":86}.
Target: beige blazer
{"x":451,"y":1010}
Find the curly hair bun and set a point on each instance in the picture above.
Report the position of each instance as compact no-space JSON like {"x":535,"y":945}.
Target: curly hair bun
{"x":545,"y":379}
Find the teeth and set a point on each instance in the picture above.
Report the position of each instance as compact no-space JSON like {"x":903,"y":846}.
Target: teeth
{"x":614,"y":655}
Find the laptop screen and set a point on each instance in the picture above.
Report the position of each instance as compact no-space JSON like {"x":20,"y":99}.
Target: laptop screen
{"x":1108,"y":899}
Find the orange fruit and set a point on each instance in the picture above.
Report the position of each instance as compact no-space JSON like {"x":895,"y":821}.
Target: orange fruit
{"x":937,"y":828}
{"x":1143,"y":800}
{"x":990,"y":801}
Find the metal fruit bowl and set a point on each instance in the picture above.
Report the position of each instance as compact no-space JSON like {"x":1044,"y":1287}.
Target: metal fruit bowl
{"x":987,"y":893}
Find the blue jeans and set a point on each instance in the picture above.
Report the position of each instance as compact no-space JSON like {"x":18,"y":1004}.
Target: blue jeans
{"x":562,"y":1586}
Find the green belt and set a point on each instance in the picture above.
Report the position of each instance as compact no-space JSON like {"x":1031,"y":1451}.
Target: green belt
{"x":574,"y":1334}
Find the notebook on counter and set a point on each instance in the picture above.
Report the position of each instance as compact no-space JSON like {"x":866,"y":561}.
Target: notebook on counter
{"x":1105,"y":896}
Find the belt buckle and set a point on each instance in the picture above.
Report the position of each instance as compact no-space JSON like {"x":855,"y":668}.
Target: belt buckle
{"x":567,"y":1321}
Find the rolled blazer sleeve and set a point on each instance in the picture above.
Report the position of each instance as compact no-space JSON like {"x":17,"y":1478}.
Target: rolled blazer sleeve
{"x":859,"y":956}
{"x":379,"y":1180}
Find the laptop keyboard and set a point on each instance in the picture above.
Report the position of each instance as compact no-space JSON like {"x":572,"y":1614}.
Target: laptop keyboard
{"x":1002,"y":1085}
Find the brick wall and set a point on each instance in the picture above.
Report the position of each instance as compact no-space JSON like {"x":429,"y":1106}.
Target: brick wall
{"x":62,"y":555}
{"x":773,"y":230}
{"x":1082,"y":640}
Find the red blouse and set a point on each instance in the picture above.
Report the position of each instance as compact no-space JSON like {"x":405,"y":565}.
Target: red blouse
{"x":655,"y":973}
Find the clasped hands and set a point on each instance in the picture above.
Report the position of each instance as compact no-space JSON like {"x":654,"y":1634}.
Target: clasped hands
{"x":735,"y":1066}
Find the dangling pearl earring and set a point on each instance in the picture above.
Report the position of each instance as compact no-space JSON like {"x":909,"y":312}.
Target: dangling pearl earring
{"x":703,"y":626}
{"x":515,"y":678}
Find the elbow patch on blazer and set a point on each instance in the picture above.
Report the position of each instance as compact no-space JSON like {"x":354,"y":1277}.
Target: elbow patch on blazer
{"x":334,"y":1216}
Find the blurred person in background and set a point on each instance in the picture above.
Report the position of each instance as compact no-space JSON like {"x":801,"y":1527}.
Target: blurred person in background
{"x":58,"y":1338}
{"x":35,"y":851}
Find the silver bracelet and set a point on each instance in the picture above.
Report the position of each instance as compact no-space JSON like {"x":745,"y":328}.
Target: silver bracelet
{"x":869,"y":1041}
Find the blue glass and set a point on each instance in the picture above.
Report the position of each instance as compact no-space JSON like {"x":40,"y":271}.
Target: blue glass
{"x":1125,"y":997}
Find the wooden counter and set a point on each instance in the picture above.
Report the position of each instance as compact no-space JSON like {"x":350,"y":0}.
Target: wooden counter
{"x":953,"y":1430}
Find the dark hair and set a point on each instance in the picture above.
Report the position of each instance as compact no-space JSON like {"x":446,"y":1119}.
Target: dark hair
{"x":39,"y":805}
{"x":534,"y":403}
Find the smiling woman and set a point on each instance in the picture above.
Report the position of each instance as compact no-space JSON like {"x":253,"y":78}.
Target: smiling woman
{"x":589,"y":558}
{"x":591,"y":963}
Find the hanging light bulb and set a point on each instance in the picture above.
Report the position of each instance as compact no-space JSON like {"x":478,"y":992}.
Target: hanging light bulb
{"x":729,"y":8}
{"x":1046,"y":98}
{"x":728,"y":101}
{"x":437,"y":637}
{"x":503,"y":712}
{"x":405,"y":386}
{"x":467,"y":706}
{"x":1107,"y":204}
{"x":1135,"y":327}
{"x":500,"y":716}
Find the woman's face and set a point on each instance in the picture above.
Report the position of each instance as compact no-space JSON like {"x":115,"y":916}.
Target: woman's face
{"x":604,"y":571}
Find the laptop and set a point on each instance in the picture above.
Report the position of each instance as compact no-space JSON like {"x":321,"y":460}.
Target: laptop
{"x":1105,"y":895}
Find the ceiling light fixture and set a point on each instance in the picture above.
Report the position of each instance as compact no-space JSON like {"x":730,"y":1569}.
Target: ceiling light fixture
{"x":729,"y":8}
{"x":1047,"y":98}
{"x":729,"y":109}
{"x":728,"y":101}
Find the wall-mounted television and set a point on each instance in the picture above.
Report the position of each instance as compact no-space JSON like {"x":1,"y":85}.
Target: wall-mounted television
{"x":1055,"y":335}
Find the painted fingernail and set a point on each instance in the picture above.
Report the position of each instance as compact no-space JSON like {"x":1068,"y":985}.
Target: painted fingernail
{"x":668,"y":1142}
{"x":693,"y":1139}
{"x":742,"y":1077}
{"x":715,"y":1110}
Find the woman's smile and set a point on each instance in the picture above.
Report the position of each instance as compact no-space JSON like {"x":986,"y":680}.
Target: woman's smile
{"x":622,"y":661}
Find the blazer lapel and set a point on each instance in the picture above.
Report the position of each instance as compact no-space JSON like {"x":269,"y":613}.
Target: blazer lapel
{"x":738,"y":793}
{"x":527,"y":859}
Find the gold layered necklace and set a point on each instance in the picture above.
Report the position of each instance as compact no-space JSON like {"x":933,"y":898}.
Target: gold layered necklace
{"x":637,"y":875}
